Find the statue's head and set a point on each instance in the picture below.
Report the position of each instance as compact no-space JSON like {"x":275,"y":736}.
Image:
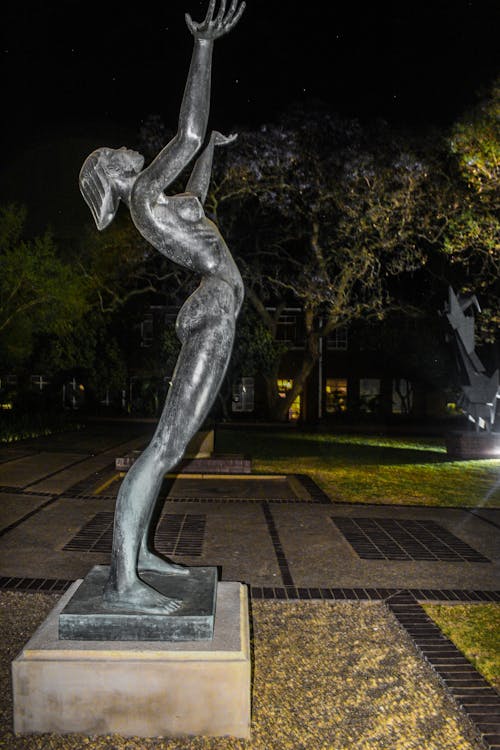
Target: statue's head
{"x":106,"y":178}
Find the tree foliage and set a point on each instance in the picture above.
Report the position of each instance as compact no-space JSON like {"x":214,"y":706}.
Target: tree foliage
{"x":472,"y":239}
{"x":39,"y":292}
{"x":324,"y":214}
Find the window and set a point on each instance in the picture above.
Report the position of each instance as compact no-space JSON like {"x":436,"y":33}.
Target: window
{"x":284,"y":385}
{"x":38,"y":382}
{"x":336,"y":395}
{"x":402,"y":396}
{"x":243,"y":395}
{"x":337,"y":339}
{"x":369,"y":394}
{"x":147,"y":331}
{"x":286,"y":329}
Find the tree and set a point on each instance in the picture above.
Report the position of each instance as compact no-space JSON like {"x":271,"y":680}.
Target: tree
{"x":472,"y":240}
{"x":327,"y":215}
{"x":256,"y":353}
{"x":39,"y":292}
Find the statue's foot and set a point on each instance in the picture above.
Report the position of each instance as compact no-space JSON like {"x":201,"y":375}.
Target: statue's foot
{"x":150,"y":563}
{"x":139,"y":597}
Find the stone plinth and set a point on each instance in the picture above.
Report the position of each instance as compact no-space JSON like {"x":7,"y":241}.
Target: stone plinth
{"x":86,"y":617}
{"x":473,"y":445}
{"x":216,"y":464}
{"x":144,"y":689}
{"x":200,"y":446}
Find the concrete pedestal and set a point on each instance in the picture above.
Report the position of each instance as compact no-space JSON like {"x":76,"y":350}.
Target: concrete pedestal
{"x":144,"y":689}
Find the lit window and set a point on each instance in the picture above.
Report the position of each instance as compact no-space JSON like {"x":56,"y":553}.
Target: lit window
{"x":294,"y":410}
{"x":284,"y":385}
{"x":336,"y":395}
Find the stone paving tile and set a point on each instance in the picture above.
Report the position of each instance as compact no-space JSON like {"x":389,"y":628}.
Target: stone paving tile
{"x":14,"y":507}
{"x":31,"y":469}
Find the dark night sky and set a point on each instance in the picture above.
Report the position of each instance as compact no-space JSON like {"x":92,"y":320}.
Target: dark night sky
{"x":77,"y":74}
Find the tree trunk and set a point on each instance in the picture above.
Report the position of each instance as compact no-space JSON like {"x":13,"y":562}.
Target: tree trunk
{"x":223,"y":400}
{"x":274,"y":402}
{"x":279,"y":407}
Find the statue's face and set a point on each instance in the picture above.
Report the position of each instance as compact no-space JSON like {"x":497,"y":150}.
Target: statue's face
{"x":124,"y":162}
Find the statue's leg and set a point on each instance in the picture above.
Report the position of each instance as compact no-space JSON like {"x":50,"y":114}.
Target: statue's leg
{"x":199,"y":372}
{"x":207,"y":337}
{"x":133,"y":509}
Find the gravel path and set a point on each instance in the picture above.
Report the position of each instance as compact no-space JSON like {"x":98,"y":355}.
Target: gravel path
{"x":327,"y":676}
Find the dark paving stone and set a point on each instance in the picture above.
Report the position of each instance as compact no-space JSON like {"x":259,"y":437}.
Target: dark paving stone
{"x":314,"y":593}
{"x":317,"y":494}
{"x":326,"y":593}
{"x":489,"y":701}
{"x":47,"y":585}
{"x":404,"y":539}
{"x":303,"y":593}
{"x":485,"y":713}
{"x":176,"y":534}
{"x":286,"y":575}
{"x":84,"y":487}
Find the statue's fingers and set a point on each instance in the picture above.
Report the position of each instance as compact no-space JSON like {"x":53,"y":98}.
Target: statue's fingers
{"x":220,"y":14}
{"x":224,"y":140}
{"x":190,"y":23}
{"x":210,"y":13}
{"x":230,"y":14}
{"x":236,"y":18}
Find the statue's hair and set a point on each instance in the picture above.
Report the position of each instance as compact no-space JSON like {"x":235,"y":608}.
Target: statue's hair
{"x":97,"y":189}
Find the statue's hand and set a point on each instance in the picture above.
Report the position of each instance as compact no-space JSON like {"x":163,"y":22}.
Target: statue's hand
{"x":223,"y":140}
{"x":212,"y":27}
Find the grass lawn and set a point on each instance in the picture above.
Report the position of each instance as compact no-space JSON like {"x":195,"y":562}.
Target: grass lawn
{"x":475,"y":630}
{"x":369,"y":468}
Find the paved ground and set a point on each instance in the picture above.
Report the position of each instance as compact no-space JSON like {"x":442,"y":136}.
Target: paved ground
{"x":280,"y":534}
{"x":57,"y":497}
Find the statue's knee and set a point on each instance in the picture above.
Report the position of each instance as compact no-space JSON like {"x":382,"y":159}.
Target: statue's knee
{"x":164,"y":455}
{"x":169,"y":457}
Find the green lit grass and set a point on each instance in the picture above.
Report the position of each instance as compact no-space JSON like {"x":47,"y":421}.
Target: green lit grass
{"x":371,"y":469}
{"x":475,"y":630}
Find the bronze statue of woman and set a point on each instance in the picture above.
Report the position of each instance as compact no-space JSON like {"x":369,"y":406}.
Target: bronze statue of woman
{"x":177,"y":227}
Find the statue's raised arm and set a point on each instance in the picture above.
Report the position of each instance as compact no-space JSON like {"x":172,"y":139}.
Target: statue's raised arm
{"x":109,"y":176}
{"x":195,"y":107}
